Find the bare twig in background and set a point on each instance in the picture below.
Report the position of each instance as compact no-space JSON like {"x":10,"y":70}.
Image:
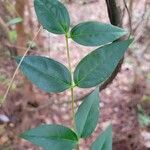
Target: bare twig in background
{"x":15,"y":73}
{"x":129,"y":16}
{"x":143,"y":16}
{"x":10,"y":4}
{"x":4,"y":25}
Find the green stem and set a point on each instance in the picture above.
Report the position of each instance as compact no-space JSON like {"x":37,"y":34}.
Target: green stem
{"x":72,"y":81}
{"x":72,"y":103}
{"x":72,"y":84}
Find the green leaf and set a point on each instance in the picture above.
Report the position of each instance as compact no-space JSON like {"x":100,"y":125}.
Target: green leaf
{"x":143,"y":119}
{"x":52,"y":137}
{"x":53,"y":16}
{"x":104,"y":141}
{"x":12,"y":36}
{"x":94,"y":33}
{"x":14,"y":21}
{"x":87,"y":115}
{"x":48,"y":74}
{"x":97,"y":66}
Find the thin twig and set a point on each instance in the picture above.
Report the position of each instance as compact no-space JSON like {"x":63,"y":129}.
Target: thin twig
{"x":4,"y":25}
{"x":12,"y":7}
{"x":14,"y":75}
{"x":130,"y":19}
{"x":142,"y":17}
{"x":19,"y":47}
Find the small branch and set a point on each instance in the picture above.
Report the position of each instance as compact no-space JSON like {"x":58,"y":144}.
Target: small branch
{"x":11,"y":6}
{"x":130,"y":19}
{"x":4,"y":25}
{"x":15,"y":73}
{"x":142,"y":18}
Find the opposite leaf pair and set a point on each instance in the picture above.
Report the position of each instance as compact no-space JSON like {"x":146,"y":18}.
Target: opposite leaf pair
{"x":59,"y":137}
{"x":54,"y":17}
{"x":95,"y":68}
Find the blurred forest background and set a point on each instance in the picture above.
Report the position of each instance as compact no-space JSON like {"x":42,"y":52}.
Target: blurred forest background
{"x":125,"y":98}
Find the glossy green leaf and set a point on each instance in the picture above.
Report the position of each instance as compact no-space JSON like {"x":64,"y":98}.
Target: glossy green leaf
{"x":97,"y":66}
{"x":52,"y":137}
{"x":53,"y":16}
{"x":14,"y":21}
{"x":104,"y":141}
{"x":87,"y":115}
{"x":95,"y":33}
{"x":48,"y":74}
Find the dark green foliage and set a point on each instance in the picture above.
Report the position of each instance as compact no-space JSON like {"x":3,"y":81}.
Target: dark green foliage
{"x":52,"y":15}
{"x":97,"y":66}
{"x":52,"y":76}
{"x":104,"y":141}
{"x":94,"y":33}
{"x":53,"y":137}
{"x":88,"y":114}
{"x":48,"y":74}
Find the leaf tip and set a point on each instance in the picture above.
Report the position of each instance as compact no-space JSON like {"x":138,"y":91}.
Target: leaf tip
{"x":17,"y":59}
{"x":130,"y":41}
{"x":22,"y":135}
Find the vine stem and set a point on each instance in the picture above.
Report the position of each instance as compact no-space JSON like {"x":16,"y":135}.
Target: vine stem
{"x":72,"y":84}
{"x":72,"y":81}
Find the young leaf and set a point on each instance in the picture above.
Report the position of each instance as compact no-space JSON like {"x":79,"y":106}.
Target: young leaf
{"x":94,"y":33}
{"x":104,"y":141}
{"x":53,"y":16}
{"x":87,"y":115}
{"x":48,"y":74}
{"x":14,"y":21}
{"x":97,"y":66}
{"x":52,"y":137}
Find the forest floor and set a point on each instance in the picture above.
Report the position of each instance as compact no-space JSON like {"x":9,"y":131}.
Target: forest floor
{"x":121,"y":102}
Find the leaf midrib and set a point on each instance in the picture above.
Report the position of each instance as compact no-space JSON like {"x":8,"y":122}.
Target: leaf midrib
{"x":87,"y":117}
{"x":87,"y":73}
{"x":50,"y":138}
{"x":57,"y":79}
{"x":96,"y":65}
{"x":91,"y":33}
{"x":56,"y":20}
